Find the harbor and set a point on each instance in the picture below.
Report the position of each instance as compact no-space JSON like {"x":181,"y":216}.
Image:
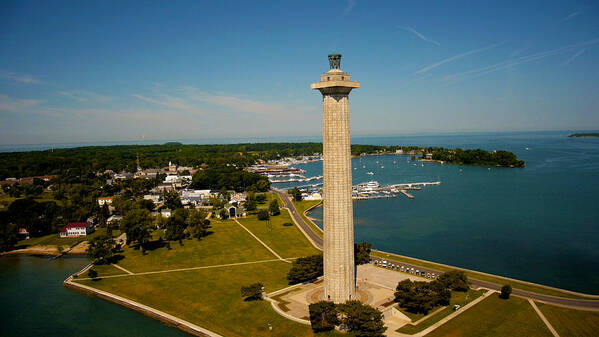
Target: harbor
{"x":373,"y":190}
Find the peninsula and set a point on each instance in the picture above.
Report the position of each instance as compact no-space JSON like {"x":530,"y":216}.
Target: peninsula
{"x":585,"y":135}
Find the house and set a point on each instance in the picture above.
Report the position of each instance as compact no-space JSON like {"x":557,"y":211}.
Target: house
{"x":154,"y":197}
{"x":123,"y":176}
{"x":166,"y":212}
{"x":105,"y":200}
{"x":77,"y":229}
{"x":114,"y":218}
{"x":23,"y":233}
{"x":313,"y":196}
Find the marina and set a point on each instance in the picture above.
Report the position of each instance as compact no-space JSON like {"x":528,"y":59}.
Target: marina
{"x":373,"y":190}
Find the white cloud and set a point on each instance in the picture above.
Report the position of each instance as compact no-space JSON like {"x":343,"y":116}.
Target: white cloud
{"x":85,"y":96}
{"x":350,"y":5}
{"x":454,"y":58}
{"x":521,"y":60}
{"x":15,"y":104}
{"x":20,"y":78}
{"x":419,"y":35}
{"x":575,"y":56}
{"x":572,"y":16}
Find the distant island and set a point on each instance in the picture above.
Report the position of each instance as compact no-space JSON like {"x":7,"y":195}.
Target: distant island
{"x":585,"y":135}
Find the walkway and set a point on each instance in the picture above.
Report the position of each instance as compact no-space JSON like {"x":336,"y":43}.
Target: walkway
{"x":549,"y":326}
{"x":264,"y":244}
{"x":185,"y":269}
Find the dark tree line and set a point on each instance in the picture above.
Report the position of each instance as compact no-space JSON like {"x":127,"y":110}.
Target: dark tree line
{"x":353,"y":316}
{"x":422,"y":296}
{"x":229,"y":178}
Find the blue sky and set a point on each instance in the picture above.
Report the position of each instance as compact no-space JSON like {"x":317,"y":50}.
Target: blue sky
{"x":80,"y":71}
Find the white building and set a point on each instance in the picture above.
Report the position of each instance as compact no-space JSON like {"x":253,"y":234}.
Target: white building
{"x":105,"y":200}
{"x":77,"y":229}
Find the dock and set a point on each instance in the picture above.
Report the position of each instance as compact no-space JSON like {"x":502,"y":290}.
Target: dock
{"x":406,"y":194}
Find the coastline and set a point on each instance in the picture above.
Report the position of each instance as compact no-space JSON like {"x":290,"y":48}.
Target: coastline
{"x":145,"y":310}
{"x":47,"y":251}
{"x":565,"y":291}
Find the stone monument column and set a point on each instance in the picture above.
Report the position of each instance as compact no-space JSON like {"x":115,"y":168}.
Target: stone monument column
{"x":339,"y":269}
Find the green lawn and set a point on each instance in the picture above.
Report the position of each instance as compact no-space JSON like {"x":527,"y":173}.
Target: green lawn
{"x":229,"y":243}
{"x":301,"y":207}
{"x":569,"y":322}
{"x":55,"y":239}
{"x":479,"y":276}
{"x":211,"y":297}
{"x":105,"y":270}
{"x":495,"y":317}
{"x":457,"y":297}
{"x":287,"y":241}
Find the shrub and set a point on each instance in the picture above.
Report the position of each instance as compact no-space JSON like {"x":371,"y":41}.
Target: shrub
{"x":323,"y":316}
{"x":252,"y":292}
{"x":506,"y":290}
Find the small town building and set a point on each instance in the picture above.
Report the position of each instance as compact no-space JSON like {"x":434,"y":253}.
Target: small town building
{"x":166,"y":212}
{"x":77,"y":229}
{"x":312,"y":196}
{"x":105,"y":200}
{"x":154,"y":197}
{"x":23,"y":233}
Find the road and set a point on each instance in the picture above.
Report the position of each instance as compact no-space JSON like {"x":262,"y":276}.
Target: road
{"x":561,"y":301}
{"x":308,"y":231}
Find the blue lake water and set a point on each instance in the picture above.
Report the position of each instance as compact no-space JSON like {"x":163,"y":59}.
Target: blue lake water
{"x":35,"y":303}
{"x":539,"y":223}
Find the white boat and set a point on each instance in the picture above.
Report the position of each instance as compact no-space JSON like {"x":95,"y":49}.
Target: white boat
{"x":370,"y":173}
{"x":382,"y":166}
{"x":363,"y":166}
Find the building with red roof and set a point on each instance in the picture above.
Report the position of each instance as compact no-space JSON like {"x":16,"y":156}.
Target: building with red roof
{"x":77,"y":229}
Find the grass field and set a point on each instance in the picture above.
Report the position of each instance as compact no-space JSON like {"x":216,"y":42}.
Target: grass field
{"x":55,"y":239}
{"x":301,"y":207}
{"x":228,"y":243}
{"x":568,"y":322}
{"x":287,"y":241}
{"x":457,"y":297}
{"x":480,"y":276}
{"x":211,"y":297}
{"x":495,"y":317}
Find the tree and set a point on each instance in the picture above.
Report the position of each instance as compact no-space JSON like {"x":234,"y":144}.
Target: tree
{"x":172,"y":199}
{"x":8,"y":234}
{"x":101,"y":249}
{"x":506,"y":290}
{"x":295,"y":193}
{"x":260,"y":198}
{"x":263,"y":214}
{"x":362,"y":252}
{"x":176,"y":225}
{"x":224,"y":194}
{"x":361,"y":320}
{"x":250,"y":205}
{"x":197,"y":224}
{"x":92,"y":273}
{"x":252,"y":291}
{"x":274,"y":207}
{"x":455,"y":280}
{"x":305,"y":269}
{"x":323,"y":316}
{"x":421,"y":296}
{"x":136,"y":224}
{"x":103,"y":215}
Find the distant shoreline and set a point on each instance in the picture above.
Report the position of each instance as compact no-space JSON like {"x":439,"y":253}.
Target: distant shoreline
{"x":584,"y":135}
